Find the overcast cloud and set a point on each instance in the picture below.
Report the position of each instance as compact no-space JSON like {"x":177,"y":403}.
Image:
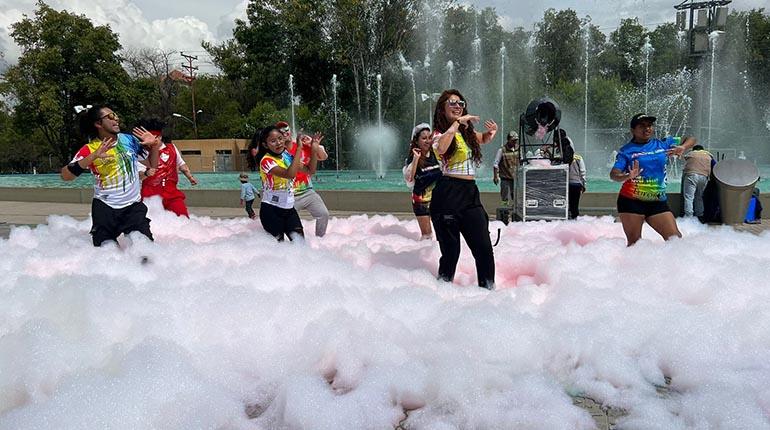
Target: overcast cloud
{"x":181,"y":25}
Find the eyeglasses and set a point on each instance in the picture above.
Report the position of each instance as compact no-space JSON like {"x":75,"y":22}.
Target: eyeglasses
{"x":455,"y":103}
{"x":112,"y":115}
{"x":284,"y":130}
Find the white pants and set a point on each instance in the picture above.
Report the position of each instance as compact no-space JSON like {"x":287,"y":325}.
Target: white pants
{"x":312,"y":202}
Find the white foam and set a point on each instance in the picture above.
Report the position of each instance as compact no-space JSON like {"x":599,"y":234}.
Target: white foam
{"x":351,"y":330}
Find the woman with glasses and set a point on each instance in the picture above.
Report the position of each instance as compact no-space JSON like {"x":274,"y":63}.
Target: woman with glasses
{"x":641,"y":166}
{"x":305,"y":197}
{"x":113,"y":158}
{"x":456,"y":206}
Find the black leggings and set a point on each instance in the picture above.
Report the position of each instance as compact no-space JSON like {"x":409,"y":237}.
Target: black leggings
{"x":108,"y":222}
{"x":456,"y":210}
{"x":279,"y":221}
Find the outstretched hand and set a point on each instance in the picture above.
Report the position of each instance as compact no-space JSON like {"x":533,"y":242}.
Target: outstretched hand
{"x":675,"y":150}
{"x":491,"y":127}
{"x":635,"y":170}
{"x":145,"y":137}
{"x":107,"y":144}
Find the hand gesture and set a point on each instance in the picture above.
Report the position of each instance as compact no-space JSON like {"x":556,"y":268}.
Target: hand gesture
{"x":193,"y":181}
{"x":491,"y":128}
{"x":317,"y":139}
{"x":306,"y":140}
{"x":145,"y":137}
{"x":635,"y":170}
{"x":675,"y":150}
{"x":496,"y":180}
{"x":150,"y":171}
{"x":416,"y":152}
{"x":465,"y":119}
{"x":107,"y":144}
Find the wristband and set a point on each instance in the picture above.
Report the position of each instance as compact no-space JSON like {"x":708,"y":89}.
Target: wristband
{"x":75,"y":168}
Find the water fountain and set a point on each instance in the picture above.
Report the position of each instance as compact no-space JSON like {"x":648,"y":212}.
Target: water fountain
{"x":586,"y":37}
{"x":476,"y":52}
{"x":292,"y":101}
{"x":647,"y":49}
{"x":502,"y":93}
{"x":410,"y":71}
{"x":713,"y":39}
{"x":450,"y":67}
{"x":336,"y":130}
{"x":380,"y":165}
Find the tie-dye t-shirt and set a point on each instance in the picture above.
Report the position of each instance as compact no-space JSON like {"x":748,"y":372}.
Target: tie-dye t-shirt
{"x":461,"y":162}
{"x":276,"y":191}
{"x":302,"y":182}
{"x":650,"y":185}
{"x":116,"y":178}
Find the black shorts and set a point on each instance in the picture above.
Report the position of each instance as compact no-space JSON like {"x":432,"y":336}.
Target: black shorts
{"x":108,"y":223}
{"x":279,"y":221}
{"x":421,"y":208}
{"x":641,"y":207}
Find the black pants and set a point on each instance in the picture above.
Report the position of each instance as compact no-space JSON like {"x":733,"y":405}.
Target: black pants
{"x":108,"y":222}
{"x":575,"y":190}
{"x":456,"y":210}
{"x":279,"y":221}
{"x":249,"y":208}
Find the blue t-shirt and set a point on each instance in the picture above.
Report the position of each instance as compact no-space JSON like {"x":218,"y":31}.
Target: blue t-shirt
{"x":650,"y":185}
{"x":248,"y":191}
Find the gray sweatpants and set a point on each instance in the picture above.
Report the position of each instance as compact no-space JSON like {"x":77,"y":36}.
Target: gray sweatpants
{"x":311,"y":201}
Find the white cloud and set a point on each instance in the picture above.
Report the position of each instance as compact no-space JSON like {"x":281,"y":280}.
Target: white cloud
{"x":124,"y":17}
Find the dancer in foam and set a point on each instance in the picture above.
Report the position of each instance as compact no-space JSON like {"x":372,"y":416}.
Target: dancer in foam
{"x":165,"y":180}
{"x":305,"y":197}
{"x":113,"y":158}
{"x":456,"y":205}
{"x":641,"y":166}
{"x":278,"y":169}
{"x":421,"y":173}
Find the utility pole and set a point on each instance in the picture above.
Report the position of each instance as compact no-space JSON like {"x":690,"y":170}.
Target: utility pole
{"x":191,"y":80}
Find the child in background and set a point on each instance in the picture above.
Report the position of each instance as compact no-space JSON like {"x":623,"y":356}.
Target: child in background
{"x":248,"y":194}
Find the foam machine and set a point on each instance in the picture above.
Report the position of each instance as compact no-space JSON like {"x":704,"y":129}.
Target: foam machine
{"x":542,"y":182}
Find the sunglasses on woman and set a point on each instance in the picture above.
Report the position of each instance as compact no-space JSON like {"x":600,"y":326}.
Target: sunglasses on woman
{"x":284,"y":130}
{"x":455,"y":103}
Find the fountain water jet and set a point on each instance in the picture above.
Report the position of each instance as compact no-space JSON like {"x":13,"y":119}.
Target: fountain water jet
{"x":336,"y":130}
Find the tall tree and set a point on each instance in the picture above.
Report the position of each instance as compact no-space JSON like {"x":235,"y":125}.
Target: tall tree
{"x":624,"y":56}
{"x":558,"y":44}
{"x":65,"y":61}
{"x":151,"y":70}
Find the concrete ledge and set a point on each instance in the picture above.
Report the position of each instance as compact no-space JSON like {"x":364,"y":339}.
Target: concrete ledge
{"x":336,"y":200}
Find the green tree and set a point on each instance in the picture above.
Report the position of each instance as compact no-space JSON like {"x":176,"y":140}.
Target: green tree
{"x":65,"y":61}
{"x":558,"y":44}
{"x":624,"y":56}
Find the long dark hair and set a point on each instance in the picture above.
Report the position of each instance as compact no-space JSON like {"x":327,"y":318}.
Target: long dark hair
{"x":441,"y":123}
{"x":251,"y":160}
{"x":413,"y":144}
{"x":260,"y":141}
{"x":87,"y":120}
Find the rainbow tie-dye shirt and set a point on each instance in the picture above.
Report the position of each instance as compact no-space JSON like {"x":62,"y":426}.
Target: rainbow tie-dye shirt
{"x":276,"y":191}
{"x":116,"y":177}
{"x":650,"y":185}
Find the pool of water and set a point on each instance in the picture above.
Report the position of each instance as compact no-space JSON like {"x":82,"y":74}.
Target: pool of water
{"x":357,"y":180}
